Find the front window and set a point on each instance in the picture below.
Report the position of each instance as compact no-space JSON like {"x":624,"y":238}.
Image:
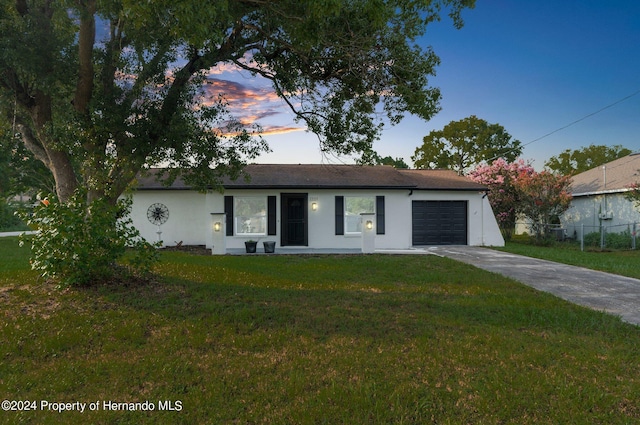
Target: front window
{"x":250,"y":215}
{"x":353,"y":207}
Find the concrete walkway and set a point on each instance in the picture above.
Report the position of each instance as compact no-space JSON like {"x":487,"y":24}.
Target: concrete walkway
{"x":3,"y":234}
{"x":327,"y":251}
{"x":617,"y":295}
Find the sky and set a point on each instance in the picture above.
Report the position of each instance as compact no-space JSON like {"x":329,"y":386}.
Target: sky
{"x":556,"y":74}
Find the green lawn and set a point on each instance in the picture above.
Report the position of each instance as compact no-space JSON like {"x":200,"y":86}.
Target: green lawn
{"x":622,"y":262}
{"x":310,"y":340}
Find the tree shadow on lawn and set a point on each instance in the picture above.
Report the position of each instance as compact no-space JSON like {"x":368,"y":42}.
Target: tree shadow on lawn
{"x":389,"y":312}
{"x":315,"y":313}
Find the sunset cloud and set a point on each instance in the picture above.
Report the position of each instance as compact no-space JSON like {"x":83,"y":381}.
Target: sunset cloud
{"x":276,"y":129}
{"x":249,"y":104}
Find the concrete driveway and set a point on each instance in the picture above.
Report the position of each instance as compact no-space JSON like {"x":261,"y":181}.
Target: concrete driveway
{"x":617,"y":295}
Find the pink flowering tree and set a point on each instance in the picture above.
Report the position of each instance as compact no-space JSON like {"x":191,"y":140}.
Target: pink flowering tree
{"x":517,"y":189}
{"x":501,"y":178}
{"x":544,"y":197}
{"x":634,"y":194}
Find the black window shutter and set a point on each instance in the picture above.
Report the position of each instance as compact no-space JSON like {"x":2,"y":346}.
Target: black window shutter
{"x":339,"y":215}
{"x":228,"y":209}
{"x":271,"y":215}
{"x":380,"y":215}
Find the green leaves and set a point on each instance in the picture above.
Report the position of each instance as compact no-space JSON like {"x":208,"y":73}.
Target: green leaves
{"x":78,"y":245}
{"x":579,"y":160}
{"x":544,"y":197}
{"x":517,"y":189}
{"x":97,"y":110}
{"x":465,"y":143}
{"x":337,"y":64}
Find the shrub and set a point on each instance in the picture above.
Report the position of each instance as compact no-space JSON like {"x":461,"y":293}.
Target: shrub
{"x":77,"y":244}
{"x":622,"y":240}
{"x":9,"y":221}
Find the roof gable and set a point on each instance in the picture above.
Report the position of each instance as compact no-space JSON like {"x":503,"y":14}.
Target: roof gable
{"x":614,"y":176}
{"x":328,"y":176}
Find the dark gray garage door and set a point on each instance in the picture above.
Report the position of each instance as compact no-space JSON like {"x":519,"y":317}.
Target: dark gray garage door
{"x":439,"y":222}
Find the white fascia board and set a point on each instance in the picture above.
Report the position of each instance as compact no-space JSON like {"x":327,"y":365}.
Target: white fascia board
{"x":600,"y":192}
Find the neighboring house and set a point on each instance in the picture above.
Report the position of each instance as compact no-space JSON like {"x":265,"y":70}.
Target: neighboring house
{"x":598,"y":198}
{"x":320,"y":206}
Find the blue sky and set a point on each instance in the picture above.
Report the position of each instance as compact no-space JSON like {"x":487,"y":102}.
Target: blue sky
{"x":533,"y":67}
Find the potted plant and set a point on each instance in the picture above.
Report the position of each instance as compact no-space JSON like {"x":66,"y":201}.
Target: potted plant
{"x":250,"y":246}
{"x":269,"y":247}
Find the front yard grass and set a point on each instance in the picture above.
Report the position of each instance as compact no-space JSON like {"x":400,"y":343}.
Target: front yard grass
{"x":352,"y":339}
{"x":621,"y":262}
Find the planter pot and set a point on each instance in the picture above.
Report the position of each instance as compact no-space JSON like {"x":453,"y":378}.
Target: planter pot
{"x":269,"y":247}
{"x":250,"y":247}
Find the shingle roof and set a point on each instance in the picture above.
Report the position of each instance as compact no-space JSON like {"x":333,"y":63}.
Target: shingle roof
{"x":327,"y":176}
{"x":619,"y":175}
{"x":441,"y":179}
{"x":320,"y":176}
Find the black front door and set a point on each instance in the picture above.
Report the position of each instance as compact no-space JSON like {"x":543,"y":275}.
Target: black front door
{"x":294,"y":219}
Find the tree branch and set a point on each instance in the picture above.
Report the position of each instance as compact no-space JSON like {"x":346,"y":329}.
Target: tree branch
{"x":31,"y":142}
{"x":86,"y":40}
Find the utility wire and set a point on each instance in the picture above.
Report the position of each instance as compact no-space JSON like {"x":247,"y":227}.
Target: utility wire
{"x":572,"y":123}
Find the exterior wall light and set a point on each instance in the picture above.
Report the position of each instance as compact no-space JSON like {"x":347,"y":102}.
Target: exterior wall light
{"x":314,"y":206}
{"x":369,"y":224}
{"x":217,"y":226}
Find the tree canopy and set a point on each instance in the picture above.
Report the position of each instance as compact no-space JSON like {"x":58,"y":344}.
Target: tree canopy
{"x":505,"y":194}
{"x":100,"y":90}
{"x":373,"y":158}
{"x":463,"y":144}
{"x":396,"y":162}
{"x":571,"y":162}
{"x":517,"y":189}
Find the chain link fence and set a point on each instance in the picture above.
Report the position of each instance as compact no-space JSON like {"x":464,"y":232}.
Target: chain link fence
{"x":602,"y":237}
{"x":621,"y":236}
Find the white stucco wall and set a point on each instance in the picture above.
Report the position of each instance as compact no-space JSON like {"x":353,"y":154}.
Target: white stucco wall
{"x":188,"y":216}
{"x":490,"y":234}
{"x":585,"y":210}
{"x":191,"y":222}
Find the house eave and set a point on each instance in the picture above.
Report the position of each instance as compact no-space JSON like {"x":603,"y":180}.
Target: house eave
{"x":306,"y":187}
{"x":318,"y":187}
{"x":600,"y":192}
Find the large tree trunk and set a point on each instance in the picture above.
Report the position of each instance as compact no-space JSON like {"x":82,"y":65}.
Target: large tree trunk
{"x":41,"y":145}
{"x":82,"y":98}
{"x":58,"y":162}
{"x":36,"y":129}
{"x":86,"y":40}
{"x":65,"y":178}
